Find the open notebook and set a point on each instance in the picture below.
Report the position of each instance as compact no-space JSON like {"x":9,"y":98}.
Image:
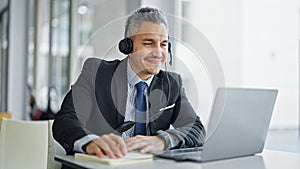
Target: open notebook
{"x":130,"y":158}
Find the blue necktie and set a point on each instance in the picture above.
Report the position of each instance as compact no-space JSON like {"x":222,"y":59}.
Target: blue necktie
{"x":140,"y":106}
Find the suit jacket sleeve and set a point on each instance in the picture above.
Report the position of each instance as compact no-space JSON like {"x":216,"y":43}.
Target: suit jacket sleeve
{"x":188,"y":129}
{"x":67,"y":128}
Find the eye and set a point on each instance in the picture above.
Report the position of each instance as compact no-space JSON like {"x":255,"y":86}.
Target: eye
{"x":147,"y":44}
{"x":164,"y":44}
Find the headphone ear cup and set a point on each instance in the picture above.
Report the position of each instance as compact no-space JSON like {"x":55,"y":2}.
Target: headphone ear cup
{"x":126,"y":46}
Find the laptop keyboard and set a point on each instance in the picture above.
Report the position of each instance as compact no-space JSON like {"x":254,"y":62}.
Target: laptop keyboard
{"x":183,"y":151}
{"x":190,"y":154}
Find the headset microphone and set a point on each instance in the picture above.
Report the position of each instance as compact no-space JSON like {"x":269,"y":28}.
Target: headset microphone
{"x":170,"y":52}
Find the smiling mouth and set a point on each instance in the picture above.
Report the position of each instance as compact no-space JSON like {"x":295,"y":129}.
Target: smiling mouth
{"x":155,"y":61}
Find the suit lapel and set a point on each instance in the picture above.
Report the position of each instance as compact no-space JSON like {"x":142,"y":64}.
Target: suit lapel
{"x":119,"y":89}
{"x":111,"y":91}
{"x":158,"y":94}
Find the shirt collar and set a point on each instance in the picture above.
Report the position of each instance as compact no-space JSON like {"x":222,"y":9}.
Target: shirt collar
{"x":133,"y":78}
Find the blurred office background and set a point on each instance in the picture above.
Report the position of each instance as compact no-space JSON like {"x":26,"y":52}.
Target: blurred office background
{"x":43,"y":44}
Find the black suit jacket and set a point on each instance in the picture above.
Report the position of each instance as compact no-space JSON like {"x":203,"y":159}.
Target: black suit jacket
{"x":96,"y":104}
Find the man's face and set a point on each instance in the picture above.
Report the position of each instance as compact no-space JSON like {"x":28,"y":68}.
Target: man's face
{"x":150,"y":49}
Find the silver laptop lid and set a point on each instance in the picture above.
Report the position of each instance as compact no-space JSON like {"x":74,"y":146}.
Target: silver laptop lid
{"x":239,"y":122}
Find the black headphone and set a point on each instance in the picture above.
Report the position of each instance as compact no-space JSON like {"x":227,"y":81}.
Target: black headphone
{"x":126,"y":47}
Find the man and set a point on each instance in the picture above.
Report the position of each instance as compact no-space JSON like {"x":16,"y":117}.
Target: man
{"x":108,"y":94}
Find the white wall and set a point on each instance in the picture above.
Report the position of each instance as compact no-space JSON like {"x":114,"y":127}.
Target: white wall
{"x":257,"y":44}
{"x":271,"y":54}
{"x":220,"y":21}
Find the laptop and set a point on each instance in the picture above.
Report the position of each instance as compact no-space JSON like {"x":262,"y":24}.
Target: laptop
{"x":237,"y":127}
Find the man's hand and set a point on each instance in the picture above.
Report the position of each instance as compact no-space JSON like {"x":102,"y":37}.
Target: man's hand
{"x":111,"y":145}
{"x":145,"y":143}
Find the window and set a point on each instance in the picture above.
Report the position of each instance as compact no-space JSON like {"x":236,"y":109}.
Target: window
{"x":48,"y":51}
{"x":59,"y":71}
{"x":3,"y":58}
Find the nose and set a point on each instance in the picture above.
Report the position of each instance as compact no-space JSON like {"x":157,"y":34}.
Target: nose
{"x":157,"y":51}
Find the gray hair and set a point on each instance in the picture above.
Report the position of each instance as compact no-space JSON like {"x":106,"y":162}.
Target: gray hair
{"x":143,"y":15}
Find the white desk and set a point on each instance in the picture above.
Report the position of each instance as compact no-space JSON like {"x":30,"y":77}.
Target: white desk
{"x":267,"y":160}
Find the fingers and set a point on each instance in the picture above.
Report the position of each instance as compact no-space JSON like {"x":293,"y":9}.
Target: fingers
{"x":114,"y":146}
{"x":92,"y":148}
{"x":137,"y":142}
{"x":148,"y":148}
{"x":120,"y":143}
{"x":104,"y":143}
{"x":111,"y":145}
{"x":145,"y":143}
